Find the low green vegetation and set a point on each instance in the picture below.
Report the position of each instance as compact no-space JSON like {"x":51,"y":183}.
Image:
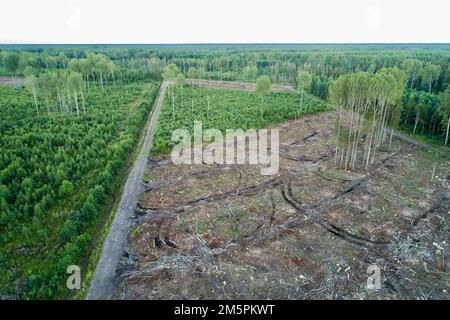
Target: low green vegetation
{"x":147,"y":177}
{"x":227,"y":109}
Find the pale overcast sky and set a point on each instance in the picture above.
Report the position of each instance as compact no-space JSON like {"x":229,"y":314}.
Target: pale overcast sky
{"x":230,"y":21}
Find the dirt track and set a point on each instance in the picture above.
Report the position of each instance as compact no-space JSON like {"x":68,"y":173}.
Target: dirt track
{"x":102,"y":284}
{"x":10,"y":81}
{"x":236,"y":85}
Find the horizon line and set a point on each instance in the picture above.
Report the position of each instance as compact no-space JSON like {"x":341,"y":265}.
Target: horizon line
{"x":231,"y":43}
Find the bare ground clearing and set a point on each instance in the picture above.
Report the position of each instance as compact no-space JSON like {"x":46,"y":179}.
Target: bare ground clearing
{"x":246,"y":86}
{"x":11,"y":81}
{"x":309,"y":232}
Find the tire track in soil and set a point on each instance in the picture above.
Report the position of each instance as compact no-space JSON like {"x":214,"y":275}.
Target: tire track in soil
{"x":102,"y":284}
{"x":373,"y":246}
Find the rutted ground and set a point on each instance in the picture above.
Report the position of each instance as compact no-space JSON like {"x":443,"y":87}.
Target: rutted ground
{"x":310,"y":232}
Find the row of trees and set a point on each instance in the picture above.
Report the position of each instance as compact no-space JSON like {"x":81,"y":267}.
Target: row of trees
{"x":426,"y":113}
{"x":176,"y":81}
{"x":17,"y":62}
{"x":426,"y":70}
{"x":61,"y":90}
{"x":94,"y":67}
{"x":263,"y":83}
{"x":280,"y":64}
{"x":368,"y":103}
{"x":421,"y":112}
{"x":428,"y":73}
{"x":444,"y":110}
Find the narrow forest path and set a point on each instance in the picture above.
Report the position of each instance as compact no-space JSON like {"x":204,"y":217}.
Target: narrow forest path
{"x":102,"y":284}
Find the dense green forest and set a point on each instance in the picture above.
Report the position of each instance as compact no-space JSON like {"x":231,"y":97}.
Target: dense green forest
{"x":73,"y":115}
{"x":65,"y":140}
{"x":426,"y":67}
{"x":57,"y":174}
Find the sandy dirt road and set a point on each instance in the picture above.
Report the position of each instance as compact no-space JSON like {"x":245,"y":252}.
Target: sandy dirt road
{"x":102,"y":283}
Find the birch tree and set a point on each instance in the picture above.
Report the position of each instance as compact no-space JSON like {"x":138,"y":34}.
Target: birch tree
{"x":170,"y":74}
{"x":413,"y":69}
{"x":75,"y":85}
{"x":250,"y":73}
{"x":31,"y":83}
{"x":367,"y":102}
{"x":263,"y":85}
{"x":430,"y":74}
{"x":304,"y":80}
{"x":155,"y":66}
{"x":11,"y":63}
{"x":180,"y":82}
{"x":444,"y":111}
{"x":86,"y":69}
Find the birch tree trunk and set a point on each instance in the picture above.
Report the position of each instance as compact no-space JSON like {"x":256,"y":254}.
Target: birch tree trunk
{"x":76,"y":103}
{"x":82,"y":101}
{"x":448,"y":128}
{"x":35,"y":101}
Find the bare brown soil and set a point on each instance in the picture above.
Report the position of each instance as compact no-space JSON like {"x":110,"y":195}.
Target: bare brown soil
{"x":309,"y":232}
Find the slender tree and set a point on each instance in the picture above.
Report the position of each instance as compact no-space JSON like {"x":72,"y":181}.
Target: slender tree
{"x":86,"y":69}
{"x":180,"y":82}
{"x":413,"y":69}
{"x":170,"y":74}
{"x":370,"y":101}
{"x":250,"y":73}
{"x":444,"y":111}
{"x":430,"y":73}
{"x":31,"y":83}
{"x":11,"y":63}
{"x":263,"y":85}
{"x":75,"y":85}
{"x":304,"y":80}
{"x":155,"y":66}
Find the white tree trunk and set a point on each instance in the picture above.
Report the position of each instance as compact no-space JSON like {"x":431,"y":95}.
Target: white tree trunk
{"x":82,"y":101}
{"x":448,"y":128}
{"x":301,"y":100}
{"x":35,"y":102}
{"x":76,"y":104}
